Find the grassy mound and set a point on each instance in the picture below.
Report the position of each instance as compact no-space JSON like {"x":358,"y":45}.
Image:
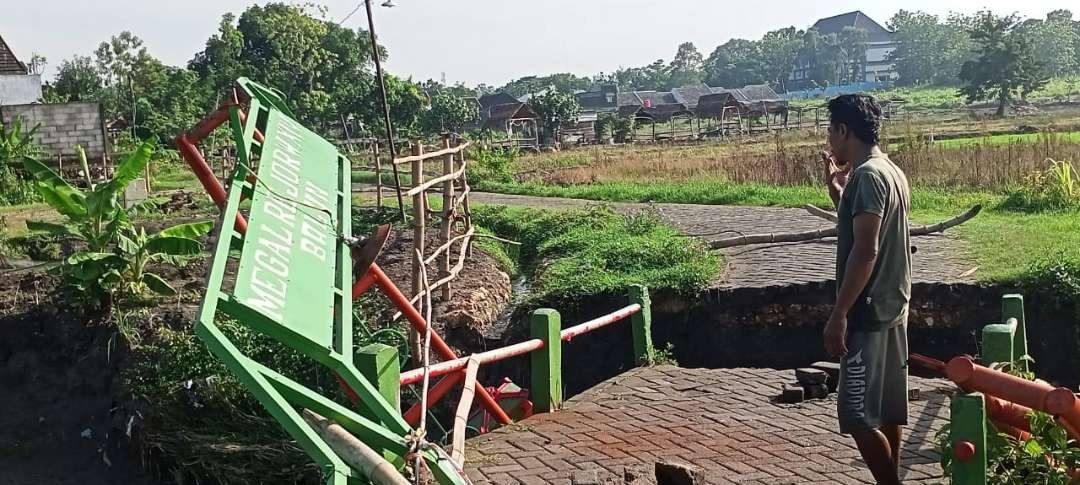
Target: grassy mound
{"x":577,"y":253}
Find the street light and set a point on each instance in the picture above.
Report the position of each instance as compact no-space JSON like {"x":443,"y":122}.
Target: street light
{"x":389,"y":3}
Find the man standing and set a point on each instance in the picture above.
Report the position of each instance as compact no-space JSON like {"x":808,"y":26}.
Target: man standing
{"x":868,"y":326}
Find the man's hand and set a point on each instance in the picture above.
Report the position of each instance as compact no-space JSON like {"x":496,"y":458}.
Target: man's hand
{"x":836,"y":176}
{"x":836,"y":336}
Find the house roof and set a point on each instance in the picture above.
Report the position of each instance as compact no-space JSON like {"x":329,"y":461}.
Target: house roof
{"x":489,"y":100}
{"x":835,"y":24}
{"x":760,"y":92}
{"x":9,"y":64}
{"x":689,"y":95}
{"x":499,"y":114}
{"x":665,"y":112}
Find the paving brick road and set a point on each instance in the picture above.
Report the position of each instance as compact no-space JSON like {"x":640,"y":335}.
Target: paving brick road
{"x":724,"y":421}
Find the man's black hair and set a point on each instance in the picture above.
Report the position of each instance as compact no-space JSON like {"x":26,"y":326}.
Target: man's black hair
{"x":860,"y":113}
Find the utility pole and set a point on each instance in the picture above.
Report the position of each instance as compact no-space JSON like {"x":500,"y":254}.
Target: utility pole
{"x":385,"y":107}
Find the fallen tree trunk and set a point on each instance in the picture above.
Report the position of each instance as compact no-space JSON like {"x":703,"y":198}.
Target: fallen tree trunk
{"x":831,"y":232}
{"x":354,"y":452}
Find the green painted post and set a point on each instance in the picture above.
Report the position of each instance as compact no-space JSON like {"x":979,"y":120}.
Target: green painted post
{"x":379,"y":364}
{"x":997,"y":343}
{"x":968,"y":413}
{"x":1012,"y":306}
{"x":546,"y":392}
{"x":642,"y":325}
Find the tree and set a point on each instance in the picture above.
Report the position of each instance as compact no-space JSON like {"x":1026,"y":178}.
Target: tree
{"x":562,"y":81}
{"x":918,"y":53}
{"x":735,"y":63}
{"x":1005,"y":65}
{"x":448,"y":113}
{"x":779,"y":49}
{"x":555,"y":109}
{"x":1056,"y":38}
{"x":686,"y":68}
{"x":76,"y":80}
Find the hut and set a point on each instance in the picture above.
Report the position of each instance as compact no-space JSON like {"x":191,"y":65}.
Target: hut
{"x":517,"y":120}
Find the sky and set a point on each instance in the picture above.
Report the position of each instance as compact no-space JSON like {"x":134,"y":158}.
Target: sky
{"x":470,"y":41}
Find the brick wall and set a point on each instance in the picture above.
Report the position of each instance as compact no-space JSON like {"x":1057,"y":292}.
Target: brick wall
{"x":62,"y":127}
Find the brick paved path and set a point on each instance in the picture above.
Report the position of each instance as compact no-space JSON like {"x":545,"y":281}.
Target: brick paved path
{"x":723,"y":421}
{"x":939,"y":259}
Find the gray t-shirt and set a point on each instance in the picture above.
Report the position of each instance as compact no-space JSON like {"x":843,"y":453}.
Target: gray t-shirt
{"x":878,"y":187}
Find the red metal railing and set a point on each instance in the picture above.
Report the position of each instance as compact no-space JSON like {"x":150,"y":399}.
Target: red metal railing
{"x":416,"y":375}
{"x":454,"y":366}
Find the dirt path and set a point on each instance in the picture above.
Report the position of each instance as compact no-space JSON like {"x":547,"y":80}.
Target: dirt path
{"x":938,"y":259}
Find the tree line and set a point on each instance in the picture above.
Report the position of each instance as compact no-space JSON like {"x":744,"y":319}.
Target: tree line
{"x":325,"y":70}
{"x":931,"y":50}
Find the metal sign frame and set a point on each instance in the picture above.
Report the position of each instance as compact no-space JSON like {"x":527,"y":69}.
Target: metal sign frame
{"x":300,"y":208}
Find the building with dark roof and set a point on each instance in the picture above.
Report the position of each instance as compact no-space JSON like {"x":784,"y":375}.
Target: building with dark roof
{"x":879,"y":43}
{"x":17,"y":84}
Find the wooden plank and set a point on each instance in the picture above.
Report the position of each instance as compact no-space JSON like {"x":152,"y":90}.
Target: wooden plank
{"x":457,"y":453}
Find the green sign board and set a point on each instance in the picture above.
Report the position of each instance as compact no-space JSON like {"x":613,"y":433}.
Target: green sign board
{"x":287,"y":269}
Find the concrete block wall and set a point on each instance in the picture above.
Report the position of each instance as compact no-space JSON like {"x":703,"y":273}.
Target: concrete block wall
{"x":62,"y":127}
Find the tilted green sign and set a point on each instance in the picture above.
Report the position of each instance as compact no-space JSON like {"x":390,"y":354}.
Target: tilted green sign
{"x":292,"y":282}
{"x":288,"y":269}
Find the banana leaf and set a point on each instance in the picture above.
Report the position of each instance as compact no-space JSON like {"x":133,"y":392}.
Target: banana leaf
{"x":191,"y":230}
{"x":54,"y":229}
{"x":66,"y":199}
{"x":173,"y":246}
{"x":158,"y":285}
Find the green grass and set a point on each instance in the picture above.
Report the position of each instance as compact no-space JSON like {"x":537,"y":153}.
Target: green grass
{"x":928,"y":98}
{"x":720,"y":192}
{"x":1073,"y":136}
{"x":572,"y":254}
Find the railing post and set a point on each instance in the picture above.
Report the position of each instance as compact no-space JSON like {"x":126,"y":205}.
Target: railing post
{"x":378,"y":173}
{"x":641,"y":322}
{"x":379,"y":364}
{"x":546,"y":392}
{"x":447,"y":218}
{"x":1012,"y":306}
{"x":968,"y":438}
{"x":997,"y":343}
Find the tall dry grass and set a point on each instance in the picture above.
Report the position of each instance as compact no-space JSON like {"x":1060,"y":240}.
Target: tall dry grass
{"x":787,"y":161}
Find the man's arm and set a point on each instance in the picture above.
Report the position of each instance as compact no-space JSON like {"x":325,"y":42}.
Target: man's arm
{"x":860,"y":265}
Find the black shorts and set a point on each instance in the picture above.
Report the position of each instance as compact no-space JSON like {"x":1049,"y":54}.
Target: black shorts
{"x":873,"y":380}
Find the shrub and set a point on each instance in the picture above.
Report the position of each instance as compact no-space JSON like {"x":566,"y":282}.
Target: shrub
{"x":1055,"y":188}
{"x":489,"y":163}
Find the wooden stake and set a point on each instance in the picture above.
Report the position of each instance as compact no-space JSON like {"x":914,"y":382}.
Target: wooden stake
{"x":448,"y":213}
{"x":419,"y":221}
{"x":378,"y":174}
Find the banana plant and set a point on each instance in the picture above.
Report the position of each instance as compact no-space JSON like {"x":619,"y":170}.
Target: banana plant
{"x":93,"y":216}
{"x":171,"y":245}
{"x":15,"y":142}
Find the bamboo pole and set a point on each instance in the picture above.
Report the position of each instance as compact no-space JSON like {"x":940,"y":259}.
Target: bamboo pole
{"x":419,"y":223}
{"x":457,"y":453}
{"x":465,"y":199}
{"x":425,"y":156}
{"x":831,"y":232}
{"x":354,"y":452}
{"x":448,"y":212}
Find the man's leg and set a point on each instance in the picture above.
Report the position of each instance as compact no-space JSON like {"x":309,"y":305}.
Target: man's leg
{"x":893,"y":433}
{"x":859,"y":402}
{"x":894,"y":403}
{"x":876,"y":451}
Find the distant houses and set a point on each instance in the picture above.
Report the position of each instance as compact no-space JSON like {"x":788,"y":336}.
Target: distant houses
{"x":880,"y":42}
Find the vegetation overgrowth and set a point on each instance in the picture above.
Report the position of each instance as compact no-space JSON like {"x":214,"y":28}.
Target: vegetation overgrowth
{"x":573,"y":254}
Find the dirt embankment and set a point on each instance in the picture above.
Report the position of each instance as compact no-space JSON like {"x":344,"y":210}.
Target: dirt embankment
{"x":65,"y":417}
